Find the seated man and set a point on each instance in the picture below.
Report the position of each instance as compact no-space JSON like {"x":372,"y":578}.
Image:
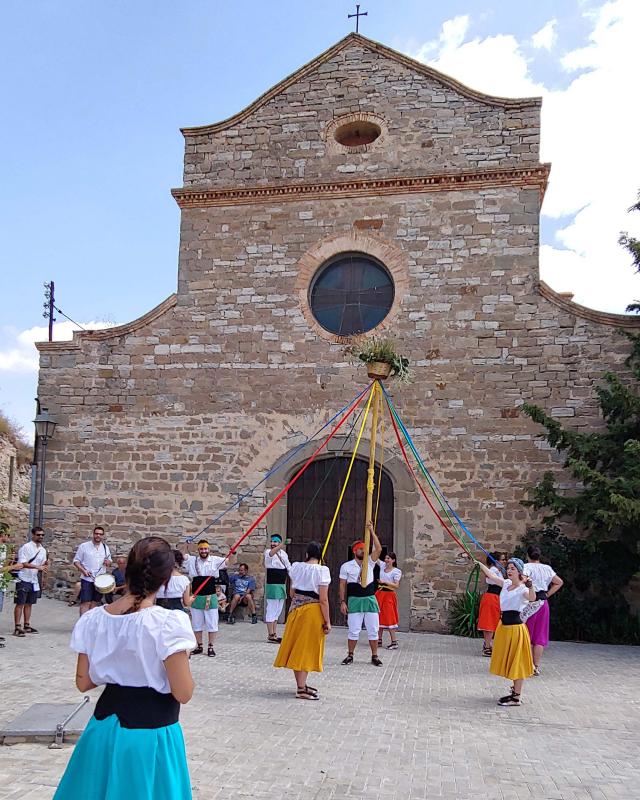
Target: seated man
{"x":118,"y":574}
{"x":243,"y":586}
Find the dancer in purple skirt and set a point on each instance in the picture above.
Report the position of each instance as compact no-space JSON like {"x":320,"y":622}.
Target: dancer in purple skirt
{"x":545,"y":582}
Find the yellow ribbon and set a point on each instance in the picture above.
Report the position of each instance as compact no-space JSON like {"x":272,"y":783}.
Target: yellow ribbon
{"x":346,"y":480}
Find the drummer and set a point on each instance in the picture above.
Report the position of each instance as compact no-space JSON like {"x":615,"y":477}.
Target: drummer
{"x":92,"y":558}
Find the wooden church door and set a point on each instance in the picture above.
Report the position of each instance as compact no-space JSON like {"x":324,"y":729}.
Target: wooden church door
{"x":311,"y":503}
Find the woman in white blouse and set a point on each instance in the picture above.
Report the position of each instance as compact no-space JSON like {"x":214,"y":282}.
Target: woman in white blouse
{"x":308,"y":622}
{"x":176,"y":594}
{"x":511,"y":656}
{"x":133,"y":745}
{"x":387,"y":597}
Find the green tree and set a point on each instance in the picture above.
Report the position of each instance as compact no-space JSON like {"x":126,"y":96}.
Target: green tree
{"x":606,"y":464}
{"x":633,"y":246}
{"x":605,"y":504}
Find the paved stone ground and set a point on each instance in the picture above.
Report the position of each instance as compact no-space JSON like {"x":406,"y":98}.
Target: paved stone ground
{"x":425,"y":725}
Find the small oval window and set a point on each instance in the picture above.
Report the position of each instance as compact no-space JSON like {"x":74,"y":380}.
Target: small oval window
{"x":355,"y":134}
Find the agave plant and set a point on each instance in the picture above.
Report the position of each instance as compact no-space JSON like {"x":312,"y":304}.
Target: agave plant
{"x":465,"y":609}
{"x":374,"y":349}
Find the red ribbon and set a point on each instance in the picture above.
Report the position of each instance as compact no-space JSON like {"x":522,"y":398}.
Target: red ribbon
{"x":280,"y":494}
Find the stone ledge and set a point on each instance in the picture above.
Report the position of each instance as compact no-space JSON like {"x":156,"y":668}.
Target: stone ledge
{"x":438,"y":182}
{"x":383,"y":50}
{"x":109,"y":333}
{"x":626,"y":321}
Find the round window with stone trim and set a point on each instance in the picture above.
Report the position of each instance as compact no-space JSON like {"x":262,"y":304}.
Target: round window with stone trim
{"x":351,"y":294}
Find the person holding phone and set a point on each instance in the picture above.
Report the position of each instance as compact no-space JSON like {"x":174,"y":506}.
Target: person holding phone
{"x":277,"y":564}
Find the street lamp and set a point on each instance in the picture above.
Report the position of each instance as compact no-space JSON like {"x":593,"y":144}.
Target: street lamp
{"x":45,"y":428}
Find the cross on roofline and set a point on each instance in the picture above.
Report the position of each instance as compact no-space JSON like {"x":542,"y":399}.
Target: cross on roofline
{"x":357,"y":15}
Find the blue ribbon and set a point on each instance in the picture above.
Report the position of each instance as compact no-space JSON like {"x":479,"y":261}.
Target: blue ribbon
{"x":275,"y":469}
{"x":407,"y":436}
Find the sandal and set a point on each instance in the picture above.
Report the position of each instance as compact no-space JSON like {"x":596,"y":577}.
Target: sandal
{"x":379,"y":642}
{"x":512,"y":699}
{"x":29,"y":629}
{"x":274,"y":639}
{"x":311,"y":690}
{"x":376,"y":661}
{"x":487,"y":651}
{"x":392,"y":646}
{"x":305,"y":694}
{"x":197,"y":651}
{"x":210,"y":651}
{"x":17,"y":631}
{"x":348,"y":660}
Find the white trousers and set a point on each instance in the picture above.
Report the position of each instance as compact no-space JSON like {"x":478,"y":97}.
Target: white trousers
{"x":371,"y":623}
{"x":272,"y":610}
{"x":204,"y":619}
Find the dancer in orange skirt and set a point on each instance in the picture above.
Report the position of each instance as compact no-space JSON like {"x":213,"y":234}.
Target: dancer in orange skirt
{"x":489,"y":613}
{"x":511,"y":657}
{"x":388,"y":582}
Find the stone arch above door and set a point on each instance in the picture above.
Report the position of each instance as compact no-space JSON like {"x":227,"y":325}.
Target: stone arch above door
{"x":404,"y":495}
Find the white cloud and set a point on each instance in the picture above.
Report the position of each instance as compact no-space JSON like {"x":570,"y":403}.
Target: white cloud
{"x":18,"y":352}
{"x":589,"y":133}
{"x":546,"y":37}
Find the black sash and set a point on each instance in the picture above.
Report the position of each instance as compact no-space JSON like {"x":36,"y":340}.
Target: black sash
{"x":172,"y":603}
{"x":208,"y":583}
{"x":307,"y":593}
{"x":511,"y":618}
{"x":541,"y":595}
{"x":493,"y":589}
{"x":276,"y":576}
{"x":137,"y":706}
{"x":355,"y":590}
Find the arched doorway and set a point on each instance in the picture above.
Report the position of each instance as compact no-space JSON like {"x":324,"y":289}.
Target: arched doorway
{"x":311,"y":503}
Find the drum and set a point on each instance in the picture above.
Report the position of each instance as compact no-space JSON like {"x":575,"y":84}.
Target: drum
{"x":105,"y":584}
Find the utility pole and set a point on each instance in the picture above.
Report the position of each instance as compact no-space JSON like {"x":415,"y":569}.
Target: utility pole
{"x":48,"y":306}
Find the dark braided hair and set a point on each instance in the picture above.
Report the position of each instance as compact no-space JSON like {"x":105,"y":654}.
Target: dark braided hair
{"x":149,"y":566}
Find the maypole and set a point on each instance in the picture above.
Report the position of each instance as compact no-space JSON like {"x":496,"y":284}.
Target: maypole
{"x":368,"y":516}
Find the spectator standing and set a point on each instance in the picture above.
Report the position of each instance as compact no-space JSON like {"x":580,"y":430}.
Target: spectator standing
{"x":32,"y":558}
{"x":92,"y":559}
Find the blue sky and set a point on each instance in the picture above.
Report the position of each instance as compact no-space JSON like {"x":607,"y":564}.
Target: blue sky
{"x":93,"y":95}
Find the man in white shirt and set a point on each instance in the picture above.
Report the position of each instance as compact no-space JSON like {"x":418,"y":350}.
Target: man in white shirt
{"x":33,"y":558}
{"x":92,"y":559}
{"x":359,"y":603}
{"x":277,"y":565}
{"x":204,"y":571}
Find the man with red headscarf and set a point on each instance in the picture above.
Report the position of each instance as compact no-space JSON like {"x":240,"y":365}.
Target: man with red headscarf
{"x":359,"y":603}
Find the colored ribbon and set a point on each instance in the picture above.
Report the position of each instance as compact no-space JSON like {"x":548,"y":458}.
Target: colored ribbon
{"x":353,"y":458}
{"x":273,"y":470}
{"x":298,"y":474}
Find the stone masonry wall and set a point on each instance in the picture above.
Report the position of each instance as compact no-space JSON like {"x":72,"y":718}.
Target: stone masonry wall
{"x":162,"y":426}
{"x":428,"y":126}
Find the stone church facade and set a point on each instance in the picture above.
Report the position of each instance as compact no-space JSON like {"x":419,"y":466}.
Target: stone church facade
{"x":165,"y":420}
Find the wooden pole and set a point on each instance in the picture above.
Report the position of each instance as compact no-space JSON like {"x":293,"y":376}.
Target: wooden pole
{"x":368,"y":517}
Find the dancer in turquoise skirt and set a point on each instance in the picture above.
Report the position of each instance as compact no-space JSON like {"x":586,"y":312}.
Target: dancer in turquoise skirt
{"x":133,"y":745}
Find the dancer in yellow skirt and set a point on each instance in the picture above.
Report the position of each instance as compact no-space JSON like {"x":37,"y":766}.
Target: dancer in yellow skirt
{"x":511,"y":657}
{"x":302,"y":646}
